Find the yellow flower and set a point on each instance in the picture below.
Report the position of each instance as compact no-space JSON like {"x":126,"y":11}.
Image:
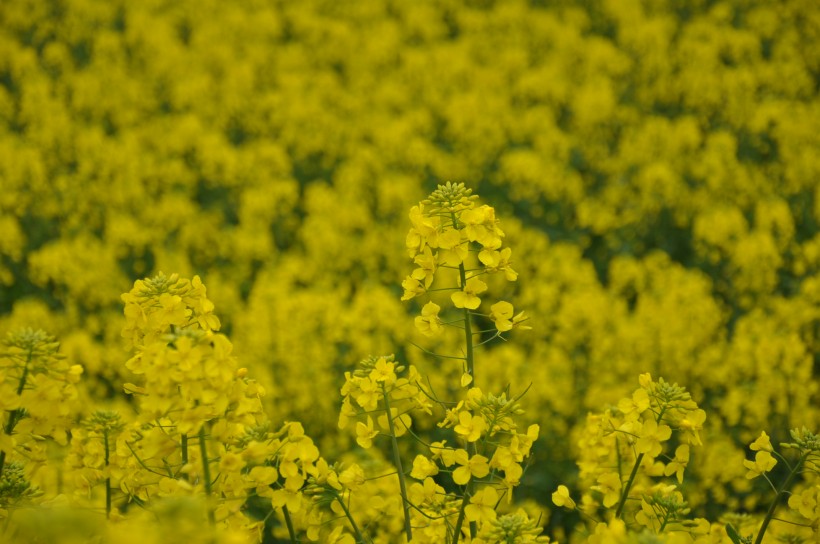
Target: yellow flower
{"x":468,"y":297}
{"x":678,"y":464}
{"x":482,"y":505}
{"x":452,"y":251}
{"x":763,"y":443}
{"x":764,"y":462}
{"x":352,"y":477}
{"x":690,"y":426}
{"x":561,"y":498}
{"x":502,"y":313}
{"x":475,"y":466}
{"x":610,"y":487}
{"x":412,"y":288}
{"x":498,"y":261}
{"x":383,"y":372}
{"x":368,"y":395}
{"x":423,"y":467}
{"x":427,"y":267}
{"x":806,"y":503}
{"x":428,"y":323}
{"x":365,"y":433}
{"x":470,"y":426}
{"x":651,"y":436}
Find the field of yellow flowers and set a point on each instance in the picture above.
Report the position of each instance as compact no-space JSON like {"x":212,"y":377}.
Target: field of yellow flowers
{"x":488,"y":271}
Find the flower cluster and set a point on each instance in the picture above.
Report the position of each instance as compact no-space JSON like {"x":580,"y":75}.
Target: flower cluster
{"x":38,"y":399}
{"x":625,"y":450}
{"x":447,"y":228}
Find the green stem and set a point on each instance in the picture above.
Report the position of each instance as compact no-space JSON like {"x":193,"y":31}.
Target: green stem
{"x":184,"y":449}
{"x":461,"y":512}
{"x":468,"y":332}
{"x":289,"y":524}
{"x":107,"y":476}
{"x":15,"y":415}
{"x":206,"y":471}
{"x":783,"y":492}
{"x":629,"y":482}
{"x":408,"y":531}
{"x":359,"y":538}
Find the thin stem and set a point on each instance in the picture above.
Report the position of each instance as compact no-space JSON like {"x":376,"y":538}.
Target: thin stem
{"x":436,"y":354}
{"x":397,"y":460}
{"x":461,"y":512}
{"x":625,"y":493}
{"x":359,"y":537}
{"x":289,"y":524}
{"x":783,"y":491}
{"x":468,"y":332}
{"x":206,"y":471}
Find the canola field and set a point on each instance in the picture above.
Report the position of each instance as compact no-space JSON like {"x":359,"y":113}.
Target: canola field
{"x":487,"y":271}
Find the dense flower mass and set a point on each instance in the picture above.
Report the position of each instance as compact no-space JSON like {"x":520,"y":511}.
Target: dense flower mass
{"x":649,"y":206}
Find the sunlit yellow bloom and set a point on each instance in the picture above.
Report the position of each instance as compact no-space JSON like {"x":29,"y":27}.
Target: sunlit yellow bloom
{"x":429,"y":323}
{"x":423,"y":467}
{"x":470,"y":426}
{"x":764,"y":462}
{"x":561,"y":498}
{"x":365,"y":433}
{"x":763,"y":443}
{"x":651,"y":436}
{"x":383,"y":371}
{"x":609,"y":485}
{"x":679,"y":463}
{"x":482,"y":505}
{"x":352,"y":477}
{"x":468,"y":297}
{"x":475,"y":466}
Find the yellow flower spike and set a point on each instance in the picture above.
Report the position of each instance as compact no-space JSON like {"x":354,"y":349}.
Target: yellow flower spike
{"x":365,"y":433}
{"x":429,"y":323}
{"x":468,"y":296}
{"x":764,"y":462}
{"x":482,"y":505}
{"x":562,"y":499}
